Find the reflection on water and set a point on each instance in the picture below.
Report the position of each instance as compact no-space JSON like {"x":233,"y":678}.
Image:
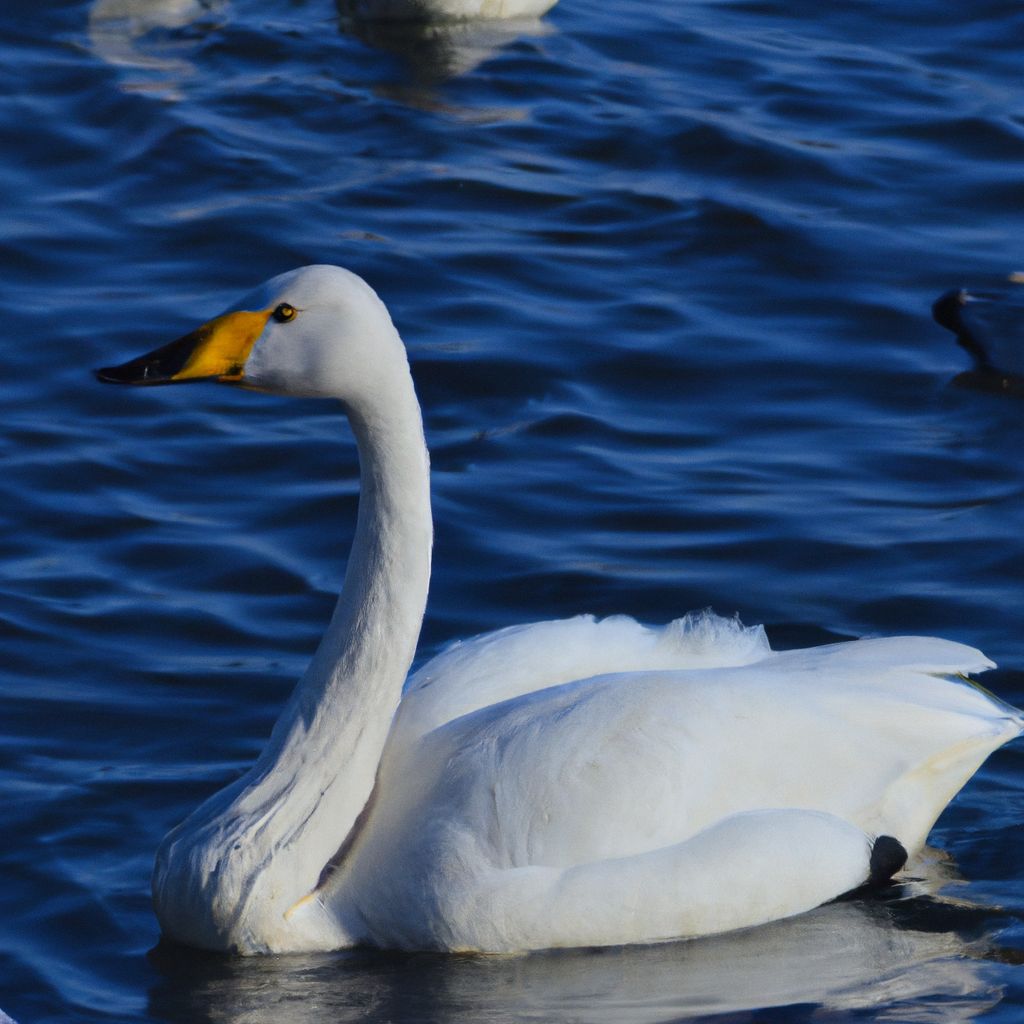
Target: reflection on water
{"x":911,"y":950}
{"x":157,"y":40}
{"x":433,"y":52}
{"x":159,"y":37}
{"x":141,"y":35}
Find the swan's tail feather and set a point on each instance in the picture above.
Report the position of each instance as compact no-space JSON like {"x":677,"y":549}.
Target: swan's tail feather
{"x":888,"y":855}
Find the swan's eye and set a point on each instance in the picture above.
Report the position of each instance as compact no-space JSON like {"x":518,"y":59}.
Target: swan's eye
{"x":284,"y":313}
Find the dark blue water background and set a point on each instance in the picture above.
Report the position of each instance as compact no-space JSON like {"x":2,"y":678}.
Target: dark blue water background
{"x":664,"y":269}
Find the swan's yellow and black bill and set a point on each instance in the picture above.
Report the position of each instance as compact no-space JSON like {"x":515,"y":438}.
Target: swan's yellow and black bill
{"x":216,"y":351}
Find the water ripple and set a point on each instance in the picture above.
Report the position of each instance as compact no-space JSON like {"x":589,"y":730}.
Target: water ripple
{"x":665,"y":275}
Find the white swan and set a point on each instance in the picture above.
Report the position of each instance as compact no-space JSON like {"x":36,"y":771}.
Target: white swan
{"x":559,"y":784}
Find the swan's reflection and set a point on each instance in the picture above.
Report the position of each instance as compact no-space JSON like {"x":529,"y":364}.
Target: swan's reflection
{"x":435,"y":51}
{"x":125,"y":33}
{"x":157,"y":39}
{"x":912,"y":951}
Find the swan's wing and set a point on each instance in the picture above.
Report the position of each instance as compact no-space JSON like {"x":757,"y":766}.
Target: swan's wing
{"x":620,"y":764}
{"x":876,"y":736}
{"x":745,"y":870}
{"x":874,"y":657}
{"x":508,"y":663}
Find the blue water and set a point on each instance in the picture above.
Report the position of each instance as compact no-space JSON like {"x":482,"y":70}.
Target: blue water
{"x":664,"y":269}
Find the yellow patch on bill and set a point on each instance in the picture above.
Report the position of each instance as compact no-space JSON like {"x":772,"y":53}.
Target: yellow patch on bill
{"x":223,"y":345}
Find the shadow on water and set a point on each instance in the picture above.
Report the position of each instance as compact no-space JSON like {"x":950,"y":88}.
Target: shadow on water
{"x":991,"y":381}
{"x":847,"y":957}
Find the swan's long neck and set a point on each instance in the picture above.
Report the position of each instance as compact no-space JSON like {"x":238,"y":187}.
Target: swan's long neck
{"x":369,"y":645}
{"x":333,"y":731}
{"x":231,"y":871}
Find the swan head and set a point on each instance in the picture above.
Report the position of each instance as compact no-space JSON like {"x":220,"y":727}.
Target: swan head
{"x":319,"y":331}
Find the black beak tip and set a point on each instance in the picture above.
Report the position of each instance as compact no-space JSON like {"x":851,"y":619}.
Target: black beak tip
{"x":126,"y":373}
{"x":157,"y":367}
{"x":135,"y":372}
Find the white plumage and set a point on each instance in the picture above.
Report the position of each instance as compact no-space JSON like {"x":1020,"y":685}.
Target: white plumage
{"x":559,"y":784}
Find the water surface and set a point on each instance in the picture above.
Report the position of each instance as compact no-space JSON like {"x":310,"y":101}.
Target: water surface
{"x":664,"y":270}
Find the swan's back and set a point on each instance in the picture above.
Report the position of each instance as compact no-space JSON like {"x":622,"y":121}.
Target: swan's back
{"x":508,"y":663}
{"x":868,"y":730}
